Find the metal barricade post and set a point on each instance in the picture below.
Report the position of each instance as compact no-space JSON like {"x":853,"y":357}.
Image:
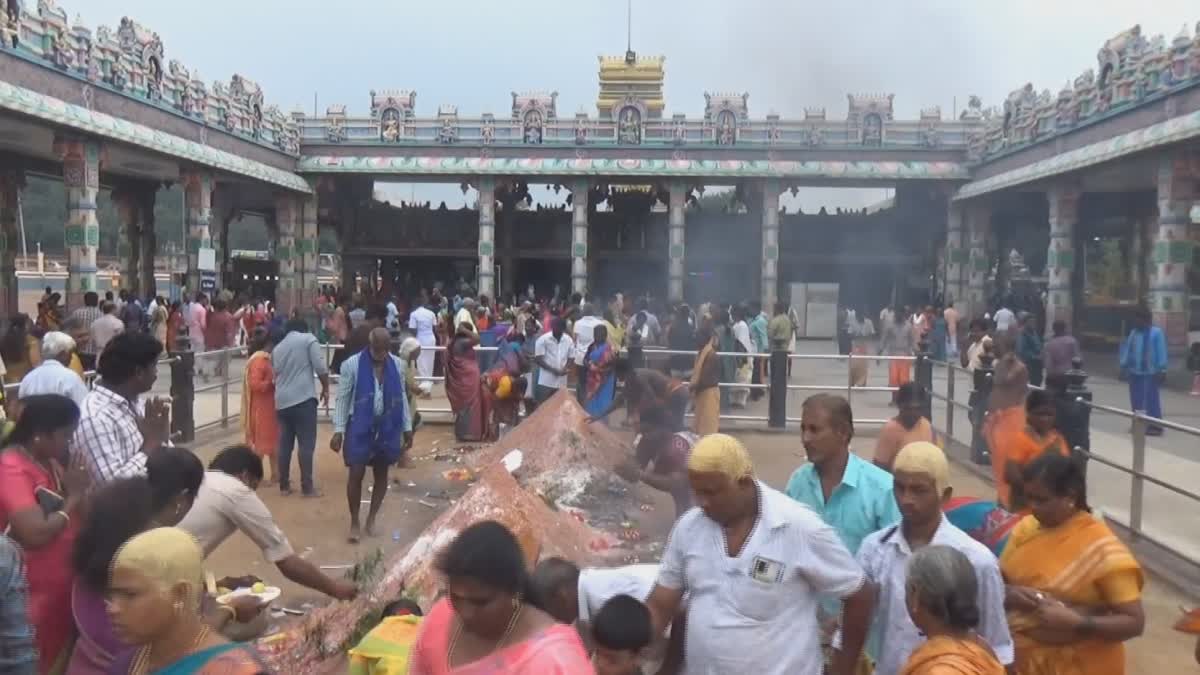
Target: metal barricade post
{"x":183,"y":395}
{"x":924,"y":377}
{"x":224,"y":387}
{"x":1137,"y":482}
{"x":949,"y":399}
{"x":981,"y":395}
{"x":777,"y":394}
{"x":1072,"y":403}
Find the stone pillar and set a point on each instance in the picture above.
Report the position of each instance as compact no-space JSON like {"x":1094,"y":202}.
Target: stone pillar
{"x":197,"y":199}
{"x":676,"y":241}
{"x":1173,"y":249}
{"x":956,"y":257}
{"x":307,"y":251}
{"x":979,"y":226}
{"x":487,"y":236}
{"x":81,"y":178}
{"x":1060,"y":258}
{"x":287,"y":217}
{"x":149,"y":242}
{"x":579,"y":236}
{"x":135,"y":207}
{"x":11,"y":183}
{"x":770,"y":244}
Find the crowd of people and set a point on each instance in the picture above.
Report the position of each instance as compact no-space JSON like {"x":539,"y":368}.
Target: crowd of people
{"x":855,"y":567}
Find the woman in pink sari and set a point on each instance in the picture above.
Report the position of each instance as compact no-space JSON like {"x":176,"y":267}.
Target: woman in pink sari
{"x":490,"y":623}
{"x":469,"y":402}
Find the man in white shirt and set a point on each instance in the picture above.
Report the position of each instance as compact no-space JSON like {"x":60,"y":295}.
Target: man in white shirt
{"x":741,"y":334}
{"x":53,"y":376}
{"x":573,"y":594}
{"x":921,"y":486}
{"x":466,"y":314}
{"x":552,"y":352}
{"x":227,"y":502}
{"x":585,"y":328}
{"x":1004,"y":319}
{"x":753,"y":563}
{"x":422,"y":321}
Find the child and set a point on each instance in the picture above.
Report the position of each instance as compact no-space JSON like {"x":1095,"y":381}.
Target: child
{"x":622,"y":630}
{"x":385,"y":650}
{"x":1193,"y":364}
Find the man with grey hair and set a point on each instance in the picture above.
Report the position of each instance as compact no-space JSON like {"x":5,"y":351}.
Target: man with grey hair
{"x":921,"y":477}
{"x":53,"y":376}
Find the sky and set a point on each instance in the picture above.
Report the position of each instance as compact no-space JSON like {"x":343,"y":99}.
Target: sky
{"x":788,"y":54}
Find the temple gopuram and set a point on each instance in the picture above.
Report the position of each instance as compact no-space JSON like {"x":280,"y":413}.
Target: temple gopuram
{"x":1113,"y":157}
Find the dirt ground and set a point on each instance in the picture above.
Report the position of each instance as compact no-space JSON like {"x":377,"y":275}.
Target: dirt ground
{"x":318,"y":527}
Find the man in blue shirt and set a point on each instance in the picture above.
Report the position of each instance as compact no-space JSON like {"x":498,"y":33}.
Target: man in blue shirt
{"x":1144,"y":363}
{"x":852,"y":495}
{"x":762,"y":345}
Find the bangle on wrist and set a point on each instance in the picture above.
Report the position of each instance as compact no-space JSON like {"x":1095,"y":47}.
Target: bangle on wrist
{"x":231,"y":610}
{"x":66,"y":516}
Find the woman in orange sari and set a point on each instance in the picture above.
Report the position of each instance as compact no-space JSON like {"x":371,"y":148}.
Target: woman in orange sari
{"x":1004,"y":426}
{"x":259,"y":425}
{"x":941,"y":591}
{"x":1073,"y":589}
{"x":1039,"y":438}
{"x":490,"y":621}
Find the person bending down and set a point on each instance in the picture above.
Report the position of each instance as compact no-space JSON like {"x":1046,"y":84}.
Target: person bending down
{"x":622,"y":631}
{"x":226,"y":501}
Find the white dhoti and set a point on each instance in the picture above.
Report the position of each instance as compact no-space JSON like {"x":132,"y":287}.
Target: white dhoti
{"x":197,"y":344}
{"x":425,"y":363}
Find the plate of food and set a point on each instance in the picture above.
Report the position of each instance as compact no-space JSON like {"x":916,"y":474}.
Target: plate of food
{"x":265,"y":594}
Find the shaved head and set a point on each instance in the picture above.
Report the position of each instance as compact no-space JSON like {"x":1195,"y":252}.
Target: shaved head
{"x":379,"y":342}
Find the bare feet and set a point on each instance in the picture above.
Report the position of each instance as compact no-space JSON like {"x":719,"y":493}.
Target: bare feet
{"x":355,"y":534}
{"x":370,"y":529}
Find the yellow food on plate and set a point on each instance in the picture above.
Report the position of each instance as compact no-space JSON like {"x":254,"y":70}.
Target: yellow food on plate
{"x":259,"y":587}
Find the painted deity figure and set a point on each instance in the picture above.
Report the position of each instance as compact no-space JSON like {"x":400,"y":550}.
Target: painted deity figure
{"x":447,"y":133}
{"x":679,"y":133}
{"x":872,"y":130}
{"x":533,"y":127}
{"x":391,"y":130}
{"x":488,"y":132}
{"x":630,"y":127}
{"x":581,"y":132}
{"x":725,"y":130}
{"x":335,"y":131}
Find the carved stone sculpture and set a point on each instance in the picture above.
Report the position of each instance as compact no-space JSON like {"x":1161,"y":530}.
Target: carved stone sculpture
{"x":629,"y":129}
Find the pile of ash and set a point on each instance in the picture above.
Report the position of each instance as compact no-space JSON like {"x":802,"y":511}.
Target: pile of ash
{"x":562,"y":456}
{"x":325,"y":634}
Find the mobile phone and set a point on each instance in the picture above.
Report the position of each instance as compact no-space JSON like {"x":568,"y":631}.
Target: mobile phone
{"x":49,"y":500}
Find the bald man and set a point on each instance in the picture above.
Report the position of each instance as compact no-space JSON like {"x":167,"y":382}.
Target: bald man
{"x":752,"y":562}
{"x":922,"y":486}
{"x":372,"y":423}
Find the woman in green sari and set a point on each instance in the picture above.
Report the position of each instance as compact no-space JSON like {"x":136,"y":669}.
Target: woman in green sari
{"x":154,"y":596}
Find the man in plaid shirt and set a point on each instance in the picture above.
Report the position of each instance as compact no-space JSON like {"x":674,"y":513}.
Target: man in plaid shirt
{"x":87,"y":315}
{"x":117,"y":429}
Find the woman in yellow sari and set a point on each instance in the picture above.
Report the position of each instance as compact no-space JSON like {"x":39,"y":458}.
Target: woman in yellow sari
{"x":706,"y":375}
{"x":1073,"y":589}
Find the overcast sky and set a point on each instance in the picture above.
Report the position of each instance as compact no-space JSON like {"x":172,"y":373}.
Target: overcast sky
{"x":788,"y":54}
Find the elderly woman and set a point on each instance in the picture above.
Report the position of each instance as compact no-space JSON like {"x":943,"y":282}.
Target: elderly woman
{"x":464,"y":387}
{"x":490,"y":621}
{"x":1074,"y":589}
{"x":154,"y":598}
{"x":941,"y":591}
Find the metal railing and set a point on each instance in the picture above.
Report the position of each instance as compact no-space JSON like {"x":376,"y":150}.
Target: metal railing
{"x":1128,"y":461}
